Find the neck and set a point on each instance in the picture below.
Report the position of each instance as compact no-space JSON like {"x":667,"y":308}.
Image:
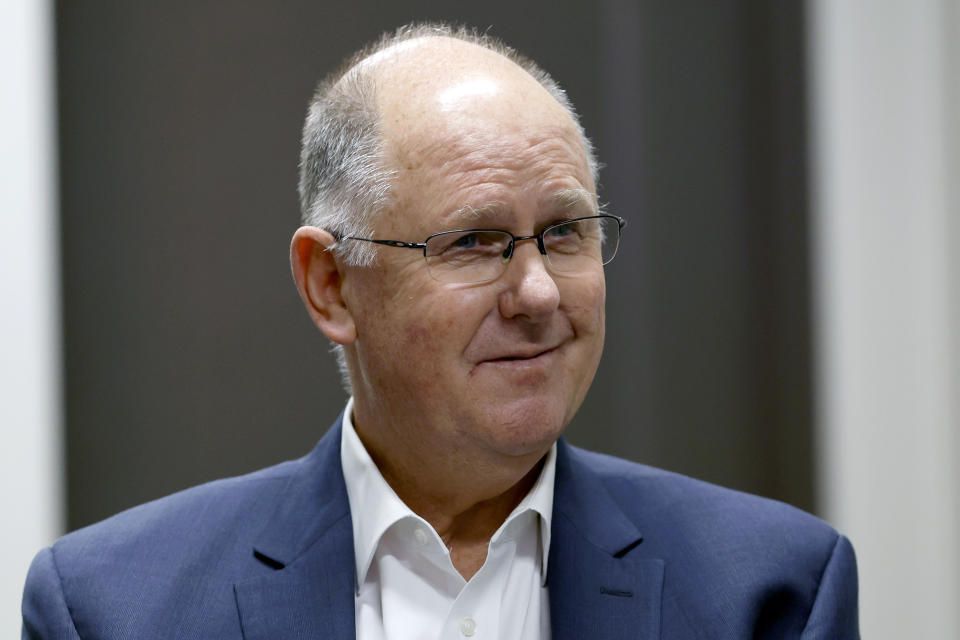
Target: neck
{"x":465,"y":498}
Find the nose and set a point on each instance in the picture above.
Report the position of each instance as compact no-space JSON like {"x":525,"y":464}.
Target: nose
{"x":530,"y":291}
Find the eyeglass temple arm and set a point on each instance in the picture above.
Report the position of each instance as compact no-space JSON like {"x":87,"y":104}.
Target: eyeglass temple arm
{"x":390,"y":243}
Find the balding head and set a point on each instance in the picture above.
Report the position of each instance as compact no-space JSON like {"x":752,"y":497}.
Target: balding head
{"x":391,"y":97}
{"x":442,"y":92}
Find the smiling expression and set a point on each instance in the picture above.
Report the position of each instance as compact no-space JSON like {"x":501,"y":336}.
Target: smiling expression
{"x":499,"y":367}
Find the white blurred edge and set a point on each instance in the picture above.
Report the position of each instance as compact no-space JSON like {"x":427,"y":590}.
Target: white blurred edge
{"x":31,"y":494}
{"x":886,"y":239}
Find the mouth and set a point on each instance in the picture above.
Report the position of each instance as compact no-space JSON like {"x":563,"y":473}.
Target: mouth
{"x":522,"y":357}
{"x":517,"y":358}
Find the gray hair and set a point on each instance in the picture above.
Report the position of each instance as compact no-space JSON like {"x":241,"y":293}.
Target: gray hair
{"x":344,"y":179}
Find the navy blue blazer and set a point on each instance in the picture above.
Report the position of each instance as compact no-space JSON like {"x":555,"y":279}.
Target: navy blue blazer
{"x":635,"y":552}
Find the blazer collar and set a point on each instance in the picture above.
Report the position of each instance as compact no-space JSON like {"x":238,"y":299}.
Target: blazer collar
{"x":602,"y":584}
{"x":308,"y":544}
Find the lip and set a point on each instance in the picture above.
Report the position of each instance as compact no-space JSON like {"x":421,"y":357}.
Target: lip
{"x":522,"y":358}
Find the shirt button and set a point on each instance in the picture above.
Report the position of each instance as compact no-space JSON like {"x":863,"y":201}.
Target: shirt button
{"x":468,"y":627}
{"x":421,"y":537}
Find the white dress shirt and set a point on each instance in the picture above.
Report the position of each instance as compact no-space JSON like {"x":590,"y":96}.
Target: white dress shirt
{"x":407,"y":586}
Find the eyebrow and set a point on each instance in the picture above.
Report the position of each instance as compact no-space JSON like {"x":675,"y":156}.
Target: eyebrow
{"x":562,"y":200}
{"x":469,"y":213}
{"x":567,"y":199}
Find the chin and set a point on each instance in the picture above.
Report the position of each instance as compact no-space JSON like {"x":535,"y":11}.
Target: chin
{"x":525,"y":428}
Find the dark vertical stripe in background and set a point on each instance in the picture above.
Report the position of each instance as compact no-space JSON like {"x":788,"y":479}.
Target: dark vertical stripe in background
{"x":708,"y":363}
{"x":188,"y":355}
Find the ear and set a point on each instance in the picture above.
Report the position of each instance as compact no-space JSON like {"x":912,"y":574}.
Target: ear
{"x":319,"y":279}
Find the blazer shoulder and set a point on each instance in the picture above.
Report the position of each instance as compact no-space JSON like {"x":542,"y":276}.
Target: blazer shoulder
{"x":159,"y":564}
{"x":209,"y":528}
{"x":682,"y":517}
{"x":168,"y":568}
{"x":739,"y":564}
{"x":216,"y":501}
{"x":644,"y":492}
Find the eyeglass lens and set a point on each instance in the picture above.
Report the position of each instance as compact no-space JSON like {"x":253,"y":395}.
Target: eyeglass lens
{"x":478,"y":255}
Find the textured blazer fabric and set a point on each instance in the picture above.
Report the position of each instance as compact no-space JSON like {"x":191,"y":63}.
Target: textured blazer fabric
{"x":636,"y":552}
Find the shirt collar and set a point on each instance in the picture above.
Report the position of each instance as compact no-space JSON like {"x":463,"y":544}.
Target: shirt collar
{"x":375,"y":507}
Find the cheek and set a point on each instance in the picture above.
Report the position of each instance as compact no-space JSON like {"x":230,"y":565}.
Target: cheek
{"x":586,"y":308}
{"x":417,"y":356}
{"x":446,"y":315}
{"x":417,"y":337}
{"x":432,"y":334}
{"x":419,"y":347}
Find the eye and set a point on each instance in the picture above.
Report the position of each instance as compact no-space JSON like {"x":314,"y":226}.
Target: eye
{"x":467,"y":245}
{"x":561,"y":230}
{"x":566,"y":232}
{"x":466,"y":241}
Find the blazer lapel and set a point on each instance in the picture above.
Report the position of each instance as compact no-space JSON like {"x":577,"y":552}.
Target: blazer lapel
{"x":600,"y":583}
{"x":308,"y":545}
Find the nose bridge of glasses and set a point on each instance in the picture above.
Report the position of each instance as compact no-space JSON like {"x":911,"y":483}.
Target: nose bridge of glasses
{"x":543,"y":260}
{"x":539,"y":243}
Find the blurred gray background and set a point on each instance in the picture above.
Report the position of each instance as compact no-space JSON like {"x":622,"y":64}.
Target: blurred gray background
{"x":188,"y":355}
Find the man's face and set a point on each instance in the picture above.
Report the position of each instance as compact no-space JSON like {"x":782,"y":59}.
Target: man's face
{"x":502,"y":366}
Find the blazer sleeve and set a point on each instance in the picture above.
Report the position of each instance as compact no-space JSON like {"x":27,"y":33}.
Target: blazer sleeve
{"x":834,"y":614}
{"x":45,"y":612}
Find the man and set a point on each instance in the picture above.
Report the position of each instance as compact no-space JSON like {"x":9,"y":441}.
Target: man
{"x":453,"y":248}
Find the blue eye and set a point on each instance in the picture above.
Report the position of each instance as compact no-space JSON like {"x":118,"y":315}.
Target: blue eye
{"x":561,"y":230}
{"x":467,"y":245}
{"x":467,"y":241}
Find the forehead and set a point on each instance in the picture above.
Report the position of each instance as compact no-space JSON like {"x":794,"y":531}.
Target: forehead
{"x":465,"y":129}
{"x":500,"y":176}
